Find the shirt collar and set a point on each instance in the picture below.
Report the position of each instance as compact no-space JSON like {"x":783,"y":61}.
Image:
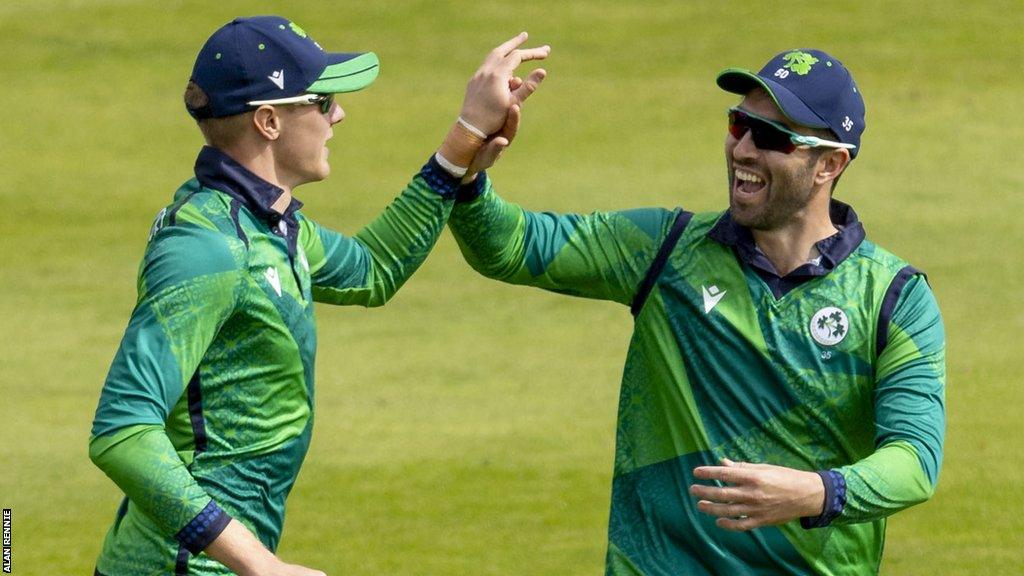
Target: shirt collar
{"x":833,"y":249}
{"x":218,"y":171}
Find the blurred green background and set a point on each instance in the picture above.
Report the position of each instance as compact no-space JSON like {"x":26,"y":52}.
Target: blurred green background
{"x":468,"y":427}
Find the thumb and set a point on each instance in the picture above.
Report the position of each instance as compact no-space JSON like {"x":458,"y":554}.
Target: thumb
{"x":511,"y":127}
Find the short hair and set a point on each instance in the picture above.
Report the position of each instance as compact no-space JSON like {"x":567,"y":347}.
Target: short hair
{"x":221,"y":132}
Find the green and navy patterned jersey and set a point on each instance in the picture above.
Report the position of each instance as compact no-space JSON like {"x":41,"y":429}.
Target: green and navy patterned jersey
{"x":207,"y":410}
{"x":837,"y":367}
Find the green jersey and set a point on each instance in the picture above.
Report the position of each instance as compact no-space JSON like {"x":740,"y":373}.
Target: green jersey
{"x":837,"y":367}
{"x":207,"y":411}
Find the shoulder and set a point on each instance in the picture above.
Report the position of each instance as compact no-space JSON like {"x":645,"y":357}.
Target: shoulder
{"x":703,"y":222}
{"x":655,"y":222}
{"x":192,"y":237}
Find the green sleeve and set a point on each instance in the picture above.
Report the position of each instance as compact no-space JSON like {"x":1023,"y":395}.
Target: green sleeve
{"x":910,"y":413}
{"x":146,"y":467}
{"x":600,"y":255}
{"x":189,"y":284}
{"x":368,"y":269}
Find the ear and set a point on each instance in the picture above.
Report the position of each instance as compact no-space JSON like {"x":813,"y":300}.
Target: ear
{"x":830,"y":165}
{"x":267,"y":122}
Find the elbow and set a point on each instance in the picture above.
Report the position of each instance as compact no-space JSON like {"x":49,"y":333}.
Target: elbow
{"x":493,"y":269}
{"x":929,"y":492}
{"x":382,"y":291}
{"x":377,"y":300}
{"x":96,"y":451}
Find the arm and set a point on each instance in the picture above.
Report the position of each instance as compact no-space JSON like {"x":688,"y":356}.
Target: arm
{"x":901,"y":472}
{"x":910,"y":414}
{"x":369,"y":268}
{"x":600,"y":255}
{"x":189,"y":284}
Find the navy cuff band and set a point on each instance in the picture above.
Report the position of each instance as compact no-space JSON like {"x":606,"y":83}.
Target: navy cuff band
{"x":439,"y":179}
{"x":472,"y":190}
{"x":835,"y":500}
{"x":204,"y":528}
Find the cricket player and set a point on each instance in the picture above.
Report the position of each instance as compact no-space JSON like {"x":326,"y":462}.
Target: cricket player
{"x":207,"y":411}
{"x":783,"y":392}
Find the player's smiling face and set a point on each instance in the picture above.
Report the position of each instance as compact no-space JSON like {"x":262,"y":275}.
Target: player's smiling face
{"x":767,"y":189}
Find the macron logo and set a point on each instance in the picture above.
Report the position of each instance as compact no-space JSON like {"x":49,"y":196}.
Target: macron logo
{"x":277,"y":78}
{"x":274,"y":279}
{"x":711,"y":297}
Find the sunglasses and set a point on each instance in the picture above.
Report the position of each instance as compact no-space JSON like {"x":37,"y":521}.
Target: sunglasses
{"x":770,"y":135}
{"x":324,"y":101}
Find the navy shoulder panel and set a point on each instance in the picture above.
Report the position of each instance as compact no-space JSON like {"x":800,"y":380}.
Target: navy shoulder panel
{"x":889,"y":301}
{"x":682,"y":218}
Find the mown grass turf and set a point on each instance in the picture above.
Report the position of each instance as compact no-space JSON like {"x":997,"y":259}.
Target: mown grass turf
{"x":467,"y":428}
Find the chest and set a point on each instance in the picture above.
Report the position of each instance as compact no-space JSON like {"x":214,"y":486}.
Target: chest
{"x":279,"y":302}
{"x":826,"y":323}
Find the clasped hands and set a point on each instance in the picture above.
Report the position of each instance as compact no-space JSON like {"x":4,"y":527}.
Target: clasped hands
{"x":492,"y":106}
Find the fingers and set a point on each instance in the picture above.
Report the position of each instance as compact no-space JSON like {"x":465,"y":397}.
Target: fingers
{"x":509,"y":45}
{"x":511,"y":127}
{"x":529,"y":86}
{"x":508,"y":52}
{"x":739,"y":524}
{"x":733,"y":475}
{"x":729,"y":510}
{"x":717,"y":494}
{"x":494,"y":88}
{"x":486,"y":156}
{"x":526,"y":54}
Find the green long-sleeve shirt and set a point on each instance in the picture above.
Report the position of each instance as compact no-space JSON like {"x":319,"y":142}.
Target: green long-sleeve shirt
{"x":837,"y":367}
{"x":207,"y":410}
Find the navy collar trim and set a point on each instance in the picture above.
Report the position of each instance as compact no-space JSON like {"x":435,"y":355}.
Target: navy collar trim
{"x":833,"y":249}
{"x":218,"y":171}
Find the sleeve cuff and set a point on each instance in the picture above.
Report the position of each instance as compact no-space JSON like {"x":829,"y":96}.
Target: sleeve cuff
{"x":835,"y":500}
{"x":471,"y":191}
{"x":439,"y":179}
{"x":204,"y":528}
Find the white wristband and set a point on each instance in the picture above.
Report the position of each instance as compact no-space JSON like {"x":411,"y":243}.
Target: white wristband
{"x":457,"y":171}
{"x":476,"y":131}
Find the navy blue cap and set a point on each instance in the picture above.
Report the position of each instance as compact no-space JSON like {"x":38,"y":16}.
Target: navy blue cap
{"x":811,"y":88}
{"x":269,"y":58}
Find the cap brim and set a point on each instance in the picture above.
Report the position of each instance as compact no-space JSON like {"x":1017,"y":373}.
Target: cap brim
{"x":346,"y":73}
{"x":740,"y":81}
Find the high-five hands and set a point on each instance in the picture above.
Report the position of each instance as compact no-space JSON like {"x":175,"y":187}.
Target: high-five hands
{"x":757,"y":495}
{"x":493,"y":89}
{"x":491,"y":108}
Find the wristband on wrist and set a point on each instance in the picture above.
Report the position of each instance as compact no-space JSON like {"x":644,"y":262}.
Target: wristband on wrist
{"x":476,"y":131}
{"x":449,"y":167}
{"x":460,"y":145}
{"x":835,"y":500}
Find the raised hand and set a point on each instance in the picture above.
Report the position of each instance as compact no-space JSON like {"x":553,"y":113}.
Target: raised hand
{"x":758,"y":494}
{"x":495,"y":145}
{"x":520,"y":90}
{"x":489,"y":93}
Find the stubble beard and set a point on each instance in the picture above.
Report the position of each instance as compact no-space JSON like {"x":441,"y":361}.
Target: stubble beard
{"x":788,"y":194}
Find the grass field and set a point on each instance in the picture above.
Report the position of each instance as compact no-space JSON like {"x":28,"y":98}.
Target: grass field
{"x":468,"y":427}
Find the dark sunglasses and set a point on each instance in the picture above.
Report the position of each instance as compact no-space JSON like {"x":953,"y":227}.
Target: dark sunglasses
{"x":770,"y":135}
{"x":325,"y":101}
